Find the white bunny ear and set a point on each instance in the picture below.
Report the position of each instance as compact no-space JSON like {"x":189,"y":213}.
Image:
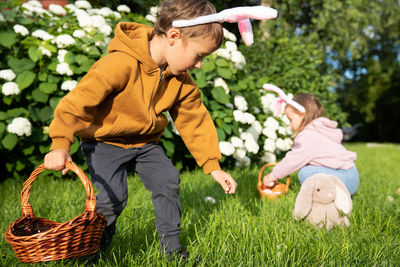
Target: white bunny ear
{"x":343,"y":200}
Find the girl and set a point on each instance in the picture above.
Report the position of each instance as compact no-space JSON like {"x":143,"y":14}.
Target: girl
{"x":317,"y":147}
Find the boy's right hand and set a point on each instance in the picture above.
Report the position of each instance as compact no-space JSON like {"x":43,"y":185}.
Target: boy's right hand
{"x":55,"y":160}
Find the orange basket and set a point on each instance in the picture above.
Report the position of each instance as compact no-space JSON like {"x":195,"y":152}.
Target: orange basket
{"x":36,"y":239}
{"x":271,"y":193}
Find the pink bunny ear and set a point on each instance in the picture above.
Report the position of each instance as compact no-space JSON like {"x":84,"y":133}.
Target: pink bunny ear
{"x":278,"y":106}
{"x":242,"y":15}
{"x":246,"y":31}
{"x":284,"y":97}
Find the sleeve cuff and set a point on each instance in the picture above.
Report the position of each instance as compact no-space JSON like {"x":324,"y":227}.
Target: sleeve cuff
{"x":211,"y":165}
{"x":60,"y":143}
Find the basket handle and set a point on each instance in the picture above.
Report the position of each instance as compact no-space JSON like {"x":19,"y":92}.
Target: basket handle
{"x":260,"y":174}
{"x":90,"y":205}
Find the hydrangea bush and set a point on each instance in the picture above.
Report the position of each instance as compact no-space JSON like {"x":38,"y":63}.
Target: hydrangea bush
{"x":47,"y":52}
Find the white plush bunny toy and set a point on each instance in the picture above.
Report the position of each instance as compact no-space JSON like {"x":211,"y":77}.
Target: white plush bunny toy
{"x":323,"y":200}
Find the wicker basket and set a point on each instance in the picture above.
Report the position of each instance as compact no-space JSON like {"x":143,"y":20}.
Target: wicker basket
{"x":36,"y":239}
{"x":271,"y":193}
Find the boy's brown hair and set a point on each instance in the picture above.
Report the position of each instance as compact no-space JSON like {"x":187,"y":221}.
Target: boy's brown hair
{"x":171,"y":10}
{"x":313,"y":108}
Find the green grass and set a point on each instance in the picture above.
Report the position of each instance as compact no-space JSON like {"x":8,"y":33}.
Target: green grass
{"x":240,"y":229}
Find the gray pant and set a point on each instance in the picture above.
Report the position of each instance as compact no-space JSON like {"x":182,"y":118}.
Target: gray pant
{"x":108,"y":171}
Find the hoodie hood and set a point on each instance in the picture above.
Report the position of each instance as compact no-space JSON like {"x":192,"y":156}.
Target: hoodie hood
{"x":327,"y":128}
{"x":128,"y":38}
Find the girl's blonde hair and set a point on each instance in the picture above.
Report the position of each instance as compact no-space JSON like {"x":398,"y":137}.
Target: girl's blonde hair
{"x":171,"y":10}
{"x":313,"y":107}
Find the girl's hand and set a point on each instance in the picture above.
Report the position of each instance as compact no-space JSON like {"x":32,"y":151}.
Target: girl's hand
{"x":268,"y":181}
{"x":55,"y":160}
{"x":225,"y":180}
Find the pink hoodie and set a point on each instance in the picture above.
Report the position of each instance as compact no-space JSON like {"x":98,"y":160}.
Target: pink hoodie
{"x":318,"y":144}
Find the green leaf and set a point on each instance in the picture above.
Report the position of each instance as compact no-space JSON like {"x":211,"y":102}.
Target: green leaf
{"x":2,"y":128}
{"x":34,"y":53}
{"x":20,"y":165}
{"x":74,"y":148}
{"x":81,"y":59}
{"x":39,"y":96}
{"x":54,"y":102}
{"x":221,"y":134}
{"x":169,"y":146}
{"x":3,"y":116}
{"x":8,"y":39}
{"x":42,"y":76}
{"x":224,"y":73}
{"x":219,"y":94}
{"x":19,"y":65}
{"x":46,"y":113}
{"x":208,"y":66}
{"x":87,"y":65}
{"x":221,"y":62}
{"x":44,"y":148}
{"x":28,"y":150}
{"x":17,"y":112}
{"x":93,"y":51}
{"x":48,"y":88}
{"x":167,"y":133}
{"x":9,"y":141}
{"x":69,"y":58}
{"x":25,"y":79}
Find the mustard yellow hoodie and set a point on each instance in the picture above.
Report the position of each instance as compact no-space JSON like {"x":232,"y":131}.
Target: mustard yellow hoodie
{"x":122,"y":98}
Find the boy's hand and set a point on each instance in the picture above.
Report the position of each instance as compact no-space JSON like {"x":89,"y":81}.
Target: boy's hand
{"x":225,"y":180}
{"x":268,"y":181}
{"x":55,"y":160}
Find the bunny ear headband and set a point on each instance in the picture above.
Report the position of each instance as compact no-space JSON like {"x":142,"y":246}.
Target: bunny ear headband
{"x":282,"y":98}
{"x":241,"y":15}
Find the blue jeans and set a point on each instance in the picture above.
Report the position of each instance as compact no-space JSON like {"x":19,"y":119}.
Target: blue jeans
{"x":349,"y":177}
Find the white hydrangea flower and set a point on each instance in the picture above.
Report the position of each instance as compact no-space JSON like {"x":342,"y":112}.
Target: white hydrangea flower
{"x":123,"y":8}
{"x":63,"y":69}
{"x":20,"y":126}
{"x":71,"y":7}
{"x":238,"y":59}
{"x":268,"y":102}
{"x":57,"y":9}
{"x":83,"y":4}
{"x":32,"y":7}
{"x":268,"y":157}
{"x":117,"y":15}
{"x":35,"y":3}
{"x":151,"y":18}
{"x":7,"y":74}
{"x":97,"y":21}
{"x":221,"y":82}
{"x":41,"y":34}
{"x":21,"y":29}
{"x":84,"y":19}
{"x":255,"y":129}
{"x":240,"y":102}
{"x":68,"y":85}
{"x":230,"y":46}
{"x":230,"y":36}
{"x":226,"y":148}
{"x":286,"y":120}
{"x":284,"y":144}
{"x":256,"y":110}
{"x":10,"y":88}
{"x":45,"y":51}
{"x":2,"y":17}
{"x":64,"y":40}
{"x":105,"y":29}
{"x":154,"y":11}
{"x":61,"y":55}
{"x":243,"y":117}
{"x":237,"y":142}
{"x":269,"y":145}
{"x":270,"y":133}
{"x":105,"y":12}
{"x":240,"y":153}
{"x":224,"y":53}
{"x":79,"y":33}
{"x":272,"y":123}
{"x":249,"y":142}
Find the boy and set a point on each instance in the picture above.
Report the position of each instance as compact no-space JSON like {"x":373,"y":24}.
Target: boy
{"x":117,"y":111}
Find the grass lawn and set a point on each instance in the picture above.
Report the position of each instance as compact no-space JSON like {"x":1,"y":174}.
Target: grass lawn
{"x":238,"y":230}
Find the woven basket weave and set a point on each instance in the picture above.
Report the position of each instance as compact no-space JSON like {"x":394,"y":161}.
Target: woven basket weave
{"x":271,"y":193}
{"x":36,"y":239}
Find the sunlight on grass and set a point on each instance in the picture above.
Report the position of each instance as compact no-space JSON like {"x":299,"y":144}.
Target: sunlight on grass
{"x":236,"y":230}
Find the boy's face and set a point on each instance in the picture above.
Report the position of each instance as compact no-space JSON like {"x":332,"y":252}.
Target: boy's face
{"x":187,"y":54}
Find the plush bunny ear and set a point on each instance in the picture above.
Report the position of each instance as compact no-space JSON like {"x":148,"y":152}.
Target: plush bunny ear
{"x":304,"y":200}
{"x":343,"y":200}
